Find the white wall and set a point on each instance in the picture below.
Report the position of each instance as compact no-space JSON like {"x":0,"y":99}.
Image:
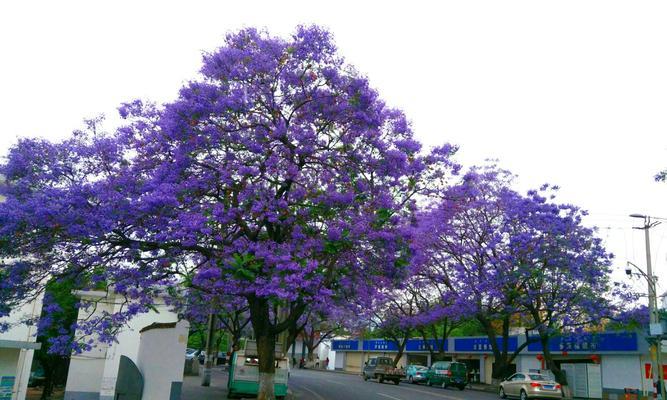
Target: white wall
{"x":339,"y":362}
{"x":8,"y":360}
{"x":161,"y":359}
{"x":527,"y":362}
{"x":20,"y":361}
{"x":619,"y":372}
{"x":86,"y":370}
{"x":96,"y":371}
{"x":22,"y":332}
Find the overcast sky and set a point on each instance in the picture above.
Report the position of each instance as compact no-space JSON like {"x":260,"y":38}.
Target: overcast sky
{"x":569,"y":92}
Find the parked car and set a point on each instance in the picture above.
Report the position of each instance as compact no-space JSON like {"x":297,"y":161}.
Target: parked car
{"x":191,"y":353}
{"x":528,"y":385}
{"x":416,"y":373}
{"x":382,"y":369}
{"x":447,"y":373}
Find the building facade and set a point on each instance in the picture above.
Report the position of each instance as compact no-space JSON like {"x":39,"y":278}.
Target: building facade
{"x":17,"y":347}
{"x":599,"y":366}
{"x":93,"y":374}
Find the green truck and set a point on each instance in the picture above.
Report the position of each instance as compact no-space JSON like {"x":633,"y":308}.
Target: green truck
{"x":447,"y":373}
{"x":244,"y":373}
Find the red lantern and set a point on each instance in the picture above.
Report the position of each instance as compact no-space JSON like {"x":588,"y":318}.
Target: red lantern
{"x":540,"y":357}
{"x":595,"y":358}
{"x":564,"y":354}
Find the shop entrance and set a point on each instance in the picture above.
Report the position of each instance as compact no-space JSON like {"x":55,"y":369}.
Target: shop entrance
{"x":441,"y":358}
{"x":473,"y":369}
{"x":418,"y":359}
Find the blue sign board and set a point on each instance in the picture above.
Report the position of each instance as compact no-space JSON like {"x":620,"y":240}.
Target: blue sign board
{"x":379,"y":345}
{"x":351,"y":345}
{"x":7,"y":387}
{"x":590,"y":343}
{"x":420,"y":345}
{"x":483,"y":345}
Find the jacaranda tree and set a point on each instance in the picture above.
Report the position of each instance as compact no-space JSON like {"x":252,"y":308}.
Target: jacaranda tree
{"x":561,"y":270}
{"x":279,"y":176}
{"x":504,"y":257}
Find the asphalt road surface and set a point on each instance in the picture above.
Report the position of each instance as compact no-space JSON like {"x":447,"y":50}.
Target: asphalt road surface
{"x":318,"y":385}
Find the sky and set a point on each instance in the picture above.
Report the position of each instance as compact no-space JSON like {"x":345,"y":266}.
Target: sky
{"x":573,"y":93}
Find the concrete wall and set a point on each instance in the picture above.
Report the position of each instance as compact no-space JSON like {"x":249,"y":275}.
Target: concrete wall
{"x":488,"y":370}
{"x":85,"y":373}
{"x":339,"y":362}
{"x":620,"y":372}
{"x":528,"y":362}
{"x":9,"y":359}
{"x":93,"y":374}
{"x":160,"y":360}
{"x":18,"y":358}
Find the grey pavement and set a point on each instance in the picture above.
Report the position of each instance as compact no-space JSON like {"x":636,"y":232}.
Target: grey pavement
{"x":320,"y":385}
{"x":192,"y":389}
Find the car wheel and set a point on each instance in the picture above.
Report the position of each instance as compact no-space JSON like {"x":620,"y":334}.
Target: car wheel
{"x":381,"y":380}
{"x":523,"y":395}
{"x":410,"y":379}
{"x":501,"y":393}
{"x":461,"y":387}
{"x":397,"y":381}
{"x":444,"y":385}
{"x":365,"y":377}
{"x":428,"y":382}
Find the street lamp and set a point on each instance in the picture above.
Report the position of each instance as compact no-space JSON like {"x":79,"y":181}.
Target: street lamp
{"x":655,"y":329}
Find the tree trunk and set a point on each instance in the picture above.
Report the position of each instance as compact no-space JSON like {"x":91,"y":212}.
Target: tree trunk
{"x":427,"y":344}
{"x":49,"y":364}
{"x":210,"y":348}
{"x":47,"y":389}
{"x":549,"y":360}
{"x":401,"y":348}
{"x":266,"y":346}
{"x":500,"y":357}
{"x":311,"y":352}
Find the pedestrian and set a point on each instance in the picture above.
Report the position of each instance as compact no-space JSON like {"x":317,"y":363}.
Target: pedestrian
{"x":658,"y":389}
{"x":302,"y":363}
{"x":326,"y":363}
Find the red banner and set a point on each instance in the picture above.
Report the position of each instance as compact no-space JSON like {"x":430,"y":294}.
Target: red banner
{"x":648,"y":371}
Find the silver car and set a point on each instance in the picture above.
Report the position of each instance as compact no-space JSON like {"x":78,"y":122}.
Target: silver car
{"x":528,"y":385}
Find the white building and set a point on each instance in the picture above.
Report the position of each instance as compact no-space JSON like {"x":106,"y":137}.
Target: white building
{"x":93,"y":374}
{"x":17,"y":347}
{"x":597,"y":365}
{"x":322,"y":352}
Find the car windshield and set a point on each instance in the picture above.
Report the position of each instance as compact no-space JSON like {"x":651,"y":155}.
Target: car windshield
{"x":537,"y":377}
{"x":420,"y":368}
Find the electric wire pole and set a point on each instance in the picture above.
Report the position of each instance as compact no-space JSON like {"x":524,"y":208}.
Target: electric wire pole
{"x":655,"y":329}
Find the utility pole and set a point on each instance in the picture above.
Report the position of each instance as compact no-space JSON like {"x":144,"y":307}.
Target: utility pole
{"x":655,"y":328}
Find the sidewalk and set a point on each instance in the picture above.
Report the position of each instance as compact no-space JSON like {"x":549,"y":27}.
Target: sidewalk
{"x":193,"y":390}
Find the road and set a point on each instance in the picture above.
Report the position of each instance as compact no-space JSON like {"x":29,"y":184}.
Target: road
{"x":318,"y":385}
